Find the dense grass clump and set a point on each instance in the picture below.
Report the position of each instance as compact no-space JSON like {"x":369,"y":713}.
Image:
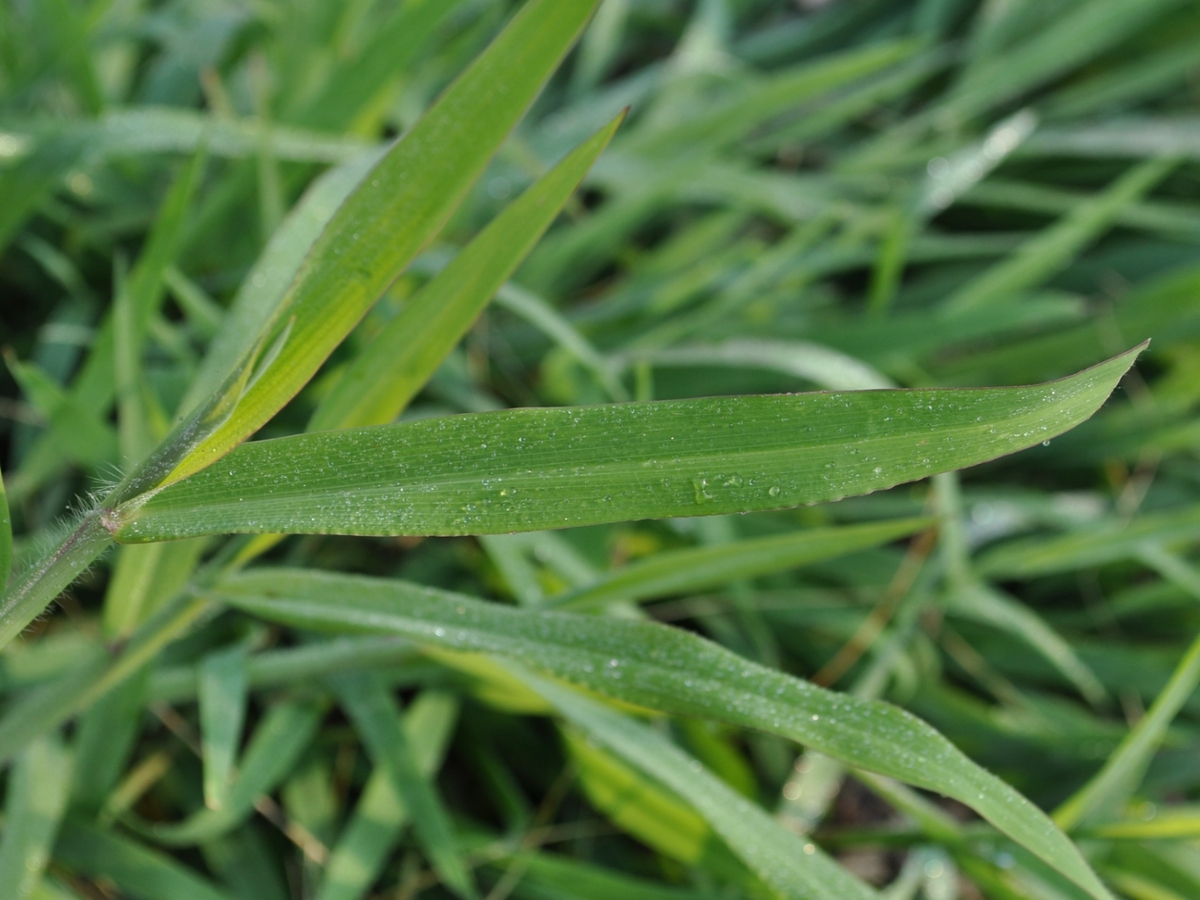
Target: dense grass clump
{"x":573,"y":449}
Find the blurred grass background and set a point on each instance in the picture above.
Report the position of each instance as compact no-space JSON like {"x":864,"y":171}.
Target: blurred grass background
{"x":805,"y":196}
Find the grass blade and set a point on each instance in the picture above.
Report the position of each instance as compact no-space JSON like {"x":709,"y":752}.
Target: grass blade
{"x":779,"y":857}
{"x":378,"y":721}
{"x":282,"y":736}
{"x":222,"y":712}
{"x":6,"y":538}
{"x":363,"y":846}
{"x":1108,"y":790}
{"x":1051,"y":250}
{"x":400,"y":205}
{"x":667,"y":669}
{"x":137,"y":870}
{"x":37,"y":798}
{"x":388,"y":374}
{"x":699,"y":568}
{"x":532,"y":469}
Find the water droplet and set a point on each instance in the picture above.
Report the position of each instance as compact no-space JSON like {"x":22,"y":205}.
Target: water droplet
{"x":774,"y":490}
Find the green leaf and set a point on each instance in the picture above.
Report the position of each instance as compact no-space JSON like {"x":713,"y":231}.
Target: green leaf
{"x":661,"y":668}
{"x":37,"y":797}
{"x":143,"y":580}
{"x":698,"y":568}
{"x":1106,"y":792}
{"x":267,"y":281}
{"x":104,"y":741}
{"x":643,"y":808}
{"x":793,"y":867}
{"x":1102,"y":543}
{"x":222,"y":711}
{"x":983,"y":603}
{"x":378,"y":721}
{"x":389,"y":372}
{"x":138,"y":871}
{"x":374,"y":828}
{"x":1047,"y":253}
{"x":6,"y":538}
{"x":281,"y":737}
{"x":530,"y":469}
{"x":76,"y":432}
{"x":399,"y":206}
{"x":824,"y":367}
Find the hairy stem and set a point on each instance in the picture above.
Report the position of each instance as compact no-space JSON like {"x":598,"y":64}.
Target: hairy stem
{"x":37,"y":588}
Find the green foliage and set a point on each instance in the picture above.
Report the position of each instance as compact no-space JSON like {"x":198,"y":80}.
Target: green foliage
{"x":382,"y":589}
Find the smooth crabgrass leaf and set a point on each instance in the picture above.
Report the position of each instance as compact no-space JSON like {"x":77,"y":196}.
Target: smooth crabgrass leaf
{"x":749,"y":105}
{"x":105,"y":738}
{"x":822,"y":366}
{"x":533,"y":469}
{"x":1083,"y":31}
{"x":640,"y":806}
{"x":76,"y":433}
{"x":150,"y":129}
{"x":983,"y":603}
{"x":381,"y":381}
{"x":1124,"y":138}
{"x":26,"y":181}
{"x":662,"y":668}
{"x":699,"y":568}
{"x":142,"y":582}
{"x":401,"y":204}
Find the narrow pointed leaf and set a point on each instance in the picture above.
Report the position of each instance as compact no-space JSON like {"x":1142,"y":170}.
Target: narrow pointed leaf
{"x":6,"y":541}
{"x":222,"y":712}
{"x":532,"y":469}
{"x":388,"y":374}
{"x":1107,"y":791}
{"x":698,"y":568}
{"x":137,"y":870}
{"x":983,"y":603}
{"x":374,"y":828}
{"x":399,"y":206}
{"x":778,"y":856}
{"x":378,"y":721}
{"x":667,"y":669}
{"x":282,"y":736}
{"x":1103,"y":543}
{"x":37,"y":797}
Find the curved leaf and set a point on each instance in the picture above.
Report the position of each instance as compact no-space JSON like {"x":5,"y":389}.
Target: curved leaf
{"x":667,"y":669}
